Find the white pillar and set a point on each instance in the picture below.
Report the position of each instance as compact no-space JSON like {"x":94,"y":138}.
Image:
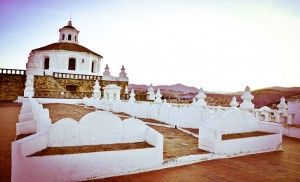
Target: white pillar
{"x":132,"y":96}
{"x":233,"y":102}
{"x":247,"y":97}
{"x":282,"y":106}
{"x":97,"y":92}
{"x":29,"y":90}
{"x":158,"y":97}
{"x":201,"y":96}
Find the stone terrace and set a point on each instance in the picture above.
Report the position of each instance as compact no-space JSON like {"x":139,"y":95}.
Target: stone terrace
{"x":176,"y":142}
{"x":274,"y":166}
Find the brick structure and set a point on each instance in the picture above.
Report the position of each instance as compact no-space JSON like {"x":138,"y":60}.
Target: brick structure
{"x":12,"y":84}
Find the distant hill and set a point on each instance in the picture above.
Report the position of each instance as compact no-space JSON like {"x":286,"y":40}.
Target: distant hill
{"x":284,"y":88}
{"x":135,"y":86}
{"x":262,"y":97}
{"x":177,"y":87}
{"x":272,"y":95}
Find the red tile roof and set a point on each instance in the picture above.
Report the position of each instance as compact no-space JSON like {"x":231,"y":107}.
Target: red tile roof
{"x":67,"y":47}
{"x":69,"y":26}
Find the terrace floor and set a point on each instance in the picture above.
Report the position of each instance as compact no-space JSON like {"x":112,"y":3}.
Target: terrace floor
{"x":176,"y":142}
{"x":273,"y":166}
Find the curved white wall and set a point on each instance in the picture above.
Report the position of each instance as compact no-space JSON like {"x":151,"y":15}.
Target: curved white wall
{"x":59,"y":62}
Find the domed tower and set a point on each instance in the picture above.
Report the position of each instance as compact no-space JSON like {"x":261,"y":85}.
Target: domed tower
{"x":65,"y":59}
{"x":68,"y":34}
{"x":64,"y":56}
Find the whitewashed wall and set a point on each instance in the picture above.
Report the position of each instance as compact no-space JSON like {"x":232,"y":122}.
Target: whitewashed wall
{"x":58,"y":101}
{"x":94,"y":128}
{"x":294,"y":107}
{"x":33,"y":118}
{"x":236,"y":121}
{"x":188,"y":116}
{"x":59,"y":60}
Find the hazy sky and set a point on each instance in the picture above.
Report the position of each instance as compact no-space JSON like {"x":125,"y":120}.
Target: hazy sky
{"x":219,"y":45}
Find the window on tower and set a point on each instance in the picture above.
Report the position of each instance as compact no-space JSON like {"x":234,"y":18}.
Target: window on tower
{"x":69,"y":37}
{"x":46,"y":63}
{"x":75,"y":38}
{"x":93,"y":67}
{"x":72,"y":64}
{"x":63,"y":37}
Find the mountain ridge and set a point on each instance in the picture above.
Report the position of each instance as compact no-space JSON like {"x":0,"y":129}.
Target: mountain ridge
{"x":183,"y":88}
{"x":262,"y":97}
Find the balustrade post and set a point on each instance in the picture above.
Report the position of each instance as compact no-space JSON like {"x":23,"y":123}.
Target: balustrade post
{"x":289,"y":119}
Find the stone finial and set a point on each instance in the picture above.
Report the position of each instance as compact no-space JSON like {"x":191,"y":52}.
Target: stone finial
{"x":194,"y":101}
{"x":150,"y":93}
{"x":233,"y":102}
{"x":150,"y":89}
{"x":29,"y":89}
{"x":282,"y":105}
{"x":158,"y":97}
{"x":132,"y":96}
{"x":126,"y":90}
{"x":106,"y":72}
{"x":123,"y":74}
{"x":201,"y":96}
{"x":97,"y":91}
{"x":247,"y":97}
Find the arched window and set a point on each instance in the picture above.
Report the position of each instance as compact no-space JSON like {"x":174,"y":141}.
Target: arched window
{"x":72,"y":64}
{"x":46,"y":63}
{"x":75,"y":38}
{"x":63,"y":37}
{"x":69,"y":37}
{"x":93,"y":67}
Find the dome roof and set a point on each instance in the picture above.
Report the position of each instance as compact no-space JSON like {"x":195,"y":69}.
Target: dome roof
{"x":67,"y":47}
{"x":69,"y":26}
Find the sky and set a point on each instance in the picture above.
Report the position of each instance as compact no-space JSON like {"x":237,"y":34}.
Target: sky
{"x":218,"y":45}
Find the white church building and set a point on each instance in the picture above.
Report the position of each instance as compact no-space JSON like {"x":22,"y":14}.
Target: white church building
{"x":66,"y":69}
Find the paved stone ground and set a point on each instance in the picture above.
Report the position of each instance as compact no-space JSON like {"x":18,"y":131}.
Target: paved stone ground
{"x":273,"y":166}
{"x":9,"y":113}
{"x":178,"y":143}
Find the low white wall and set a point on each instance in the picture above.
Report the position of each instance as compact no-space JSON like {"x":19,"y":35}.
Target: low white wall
{"x":294,"y":107}
{"x":236,"y":121}
{"x":27,"y":127}
{"x":85,"y":166}
{"x":249,"y":145}
{"x":188,"y":116}
{"x":99,"y":127}
{"x":63,"y":101}
{"x":291,"y":132}
{"x":26,"y":117}
{"x":93,"y":129}
{"x":233,"y":121}
{"x":208,"y":138}
{"x":33,"y":118}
